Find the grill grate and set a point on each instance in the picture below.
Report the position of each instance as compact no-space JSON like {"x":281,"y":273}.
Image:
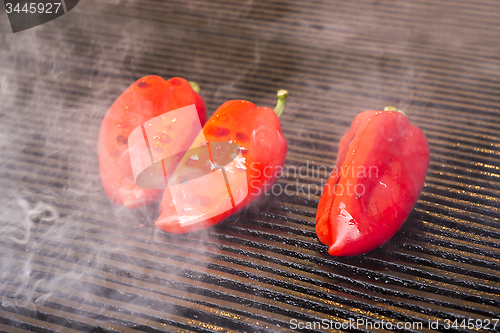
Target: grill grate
{"x":70,"y":261}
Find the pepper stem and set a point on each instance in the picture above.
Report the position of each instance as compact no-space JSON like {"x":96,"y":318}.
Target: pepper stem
{"x":280,"y":104}
{"x":392,"y":108}
{"x":195,"y":86}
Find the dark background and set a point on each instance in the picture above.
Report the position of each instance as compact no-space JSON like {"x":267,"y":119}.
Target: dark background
{"x":71,"y":260}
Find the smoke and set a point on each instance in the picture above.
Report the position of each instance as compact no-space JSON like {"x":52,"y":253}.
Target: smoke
{"x":61,"y":239}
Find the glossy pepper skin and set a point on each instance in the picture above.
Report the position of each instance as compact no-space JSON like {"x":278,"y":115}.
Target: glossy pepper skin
{"x":145,"y":99}
{"x":381,"y":167}
{"x":257,"y":131}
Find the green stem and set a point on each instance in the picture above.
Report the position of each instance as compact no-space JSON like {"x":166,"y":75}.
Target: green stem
{"x":195,"y":86}
{"x":392,"y":108}
{"x":280,"y":104}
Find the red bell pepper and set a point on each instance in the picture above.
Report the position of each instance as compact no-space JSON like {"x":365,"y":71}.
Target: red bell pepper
{"x":236,"y":158}
{"x":148,"y":97}
{"x":380,"y":171}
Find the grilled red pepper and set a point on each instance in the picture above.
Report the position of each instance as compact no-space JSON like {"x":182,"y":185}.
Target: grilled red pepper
{"x":147,"y":98}
{"x":235,"y":159}
{"x":380,"y":171}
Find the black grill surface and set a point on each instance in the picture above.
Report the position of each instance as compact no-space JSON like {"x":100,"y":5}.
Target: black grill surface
{"x":71,"y":261}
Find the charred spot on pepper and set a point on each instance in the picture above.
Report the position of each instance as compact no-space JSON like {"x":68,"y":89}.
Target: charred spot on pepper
{"x":143,"y":84}
{"x":175,"y":81}
{"x":121,"y":139}
{"x":242,"y":137}
{"x":220,"y":131}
